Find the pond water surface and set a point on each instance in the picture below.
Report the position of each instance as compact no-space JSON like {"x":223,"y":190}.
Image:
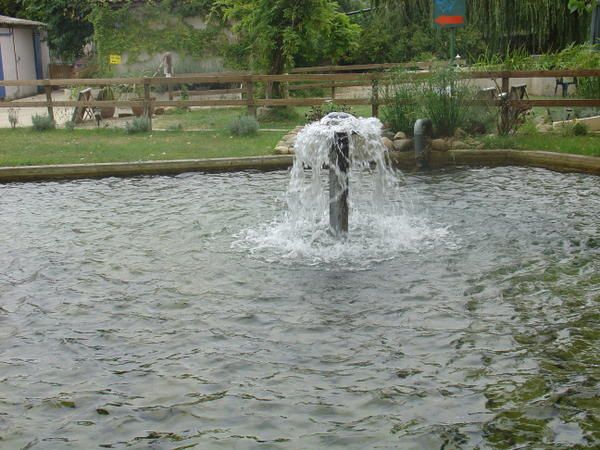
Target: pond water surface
{"x":152,"y":313}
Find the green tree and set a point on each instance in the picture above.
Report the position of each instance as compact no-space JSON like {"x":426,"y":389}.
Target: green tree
{"x":582,"y":5}
{"x":281,"y":33}
{"x":537,"y":25}
{"x":68,"y":24}
{"x":9,"y":8}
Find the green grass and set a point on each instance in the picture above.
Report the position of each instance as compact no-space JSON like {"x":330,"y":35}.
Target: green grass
{"x":220,"y":118}
{"x":581,"y":145}
{"x":26,"y":147}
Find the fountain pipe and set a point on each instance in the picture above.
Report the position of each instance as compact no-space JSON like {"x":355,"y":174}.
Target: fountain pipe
{"x":423,"y":128}
{"x":339,"y":162}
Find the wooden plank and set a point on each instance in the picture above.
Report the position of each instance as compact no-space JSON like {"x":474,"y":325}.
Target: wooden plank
{"x":314,"y":101}
{"x":319,"y":77}
{"x":184,"y":103}
{"x":573,"y":102}
{"x":299,"y":87}
{"x":531,"y":74}
{"x":199,"y":79}
{"x":213,"y":92}
{"x":363,"y":67}
{"x":337,"y":77}
{"x":566,"y":102}
{"x":71,"y":104}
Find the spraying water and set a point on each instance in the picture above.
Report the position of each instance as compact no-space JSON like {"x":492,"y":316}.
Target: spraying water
{"x":380,"y":225}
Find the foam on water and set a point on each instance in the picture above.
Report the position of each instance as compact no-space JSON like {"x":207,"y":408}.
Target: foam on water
{"x":381,"y":225}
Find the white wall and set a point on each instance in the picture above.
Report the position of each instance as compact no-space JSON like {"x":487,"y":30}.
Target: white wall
{"x":25,"y":56}
{"x":18,"y":59}
{"x":8,"y":59}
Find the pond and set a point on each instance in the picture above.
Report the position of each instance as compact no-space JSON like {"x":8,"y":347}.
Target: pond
{"x":166,"y":312}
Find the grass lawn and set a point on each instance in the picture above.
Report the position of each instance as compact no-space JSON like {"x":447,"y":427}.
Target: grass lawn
{"x":23,"y":146}
{"x":220,"y":118}
{"x":26,"y":147}
{"x":582,"y":145}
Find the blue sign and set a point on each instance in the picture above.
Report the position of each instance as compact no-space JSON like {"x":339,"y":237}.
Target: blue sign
{"x":449,"y":13}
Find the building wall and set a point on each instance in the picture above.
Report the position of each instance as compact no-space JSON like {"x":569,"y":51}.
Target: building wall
{"x":18,"y":59}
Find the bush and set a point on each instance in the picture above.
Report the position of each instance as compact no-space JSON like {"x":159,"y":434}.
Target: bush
{"x":70,"y":125}
{"x":42,"y":123}
{"x":244,"y":126}
{"x":175,"y":127}
{"x":580,"y":129}
{"x":528,"y":127}
{"x":573,"y":128}
{"x":138,"y":125}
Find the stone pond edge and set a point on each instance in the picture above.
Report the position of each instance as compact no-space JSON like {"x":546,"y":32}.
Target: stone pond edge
{"x":560,"y":162}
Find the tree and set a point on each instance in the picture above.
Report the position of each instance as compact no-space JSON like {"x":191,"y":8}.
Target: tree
{"x":9,"y":8}
{"x":68,"y":24}
{"x":582,"y":5}
{"x":537,"y":25}
{"x":279,"y":33}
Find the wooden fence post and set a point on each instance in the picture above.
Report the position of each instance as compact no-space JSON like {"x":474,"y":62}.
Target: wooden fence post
{"x":375,"y":97}
{"x":250,"y":97}
{"x":332,"y":89}
{"x":147,"y":102}
{"x":48,"y":90}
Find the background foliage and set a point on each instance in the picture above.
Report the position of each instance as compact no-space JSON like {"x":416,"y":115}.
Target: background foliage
{"x":536,"y":25}
{"x":155,"y":28}
{"x":279,"y":34}
{"x":68,"y":26}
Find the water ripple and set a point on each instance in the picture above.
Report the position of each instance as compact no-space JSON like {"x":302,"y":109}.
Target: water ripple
{"x":137,"y":314}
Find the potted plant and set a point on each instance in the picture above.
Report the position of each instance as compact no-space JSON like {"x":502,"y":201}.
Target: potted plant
{"x":106,"y":94}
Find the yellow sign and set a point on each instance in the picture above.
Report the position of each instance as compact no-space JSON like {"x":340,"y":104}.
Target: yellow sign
{"x":114,"y":59}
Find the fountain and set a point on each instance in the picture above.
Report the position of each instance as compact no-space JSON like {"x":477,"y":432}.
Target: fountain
{"x":343,"y":144}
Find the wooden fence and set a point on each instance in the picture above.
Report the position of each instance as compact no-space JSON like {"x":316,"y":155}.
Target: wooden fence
{"x":248,"y":85}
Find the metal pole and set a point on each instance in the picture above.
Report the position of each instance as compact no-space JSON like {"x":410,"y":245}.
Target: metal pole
{"x":339,"y":163}
{"x":452,"y":43}
{"x":423,"y":129}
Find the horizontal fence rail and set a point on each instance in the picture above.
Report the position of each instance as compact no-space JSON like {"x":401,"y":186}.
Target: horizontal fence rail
{"x":246,"y":86}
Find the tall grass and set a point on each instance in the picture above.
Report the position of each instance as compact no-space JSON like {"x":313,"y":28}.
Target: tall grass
{"x":442,"y":97}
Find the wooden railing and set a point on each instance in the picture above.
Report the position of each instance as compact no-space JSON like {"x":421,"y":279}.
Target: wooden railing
{"x":292,"y":82}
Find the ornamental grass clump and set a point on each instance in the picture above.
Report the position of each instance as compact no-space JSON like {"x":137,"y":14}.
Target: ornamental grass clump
{"x":401,"y":108}
{"x":444,"y":100}
{"x":138,"y":125}
{"x":244,"y":126}
{"x":43,"y":122}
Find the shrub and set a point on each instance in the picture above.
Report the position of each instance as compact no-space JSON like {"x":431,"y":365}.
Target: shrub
{"x":573,"y":128}
{"x":580,"y":129}
{"x":70,"y":125}
{"x":528,"y":127}
{"x":244,"y":126}
{"x":175,"y":127}
{"x":42,"y":123}
{"x":138,"y":125}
